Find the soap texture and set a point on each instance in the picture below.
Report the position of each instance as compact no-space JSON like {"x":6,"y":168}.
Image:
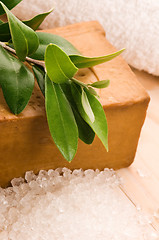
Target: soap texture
{"x":25,"y":141}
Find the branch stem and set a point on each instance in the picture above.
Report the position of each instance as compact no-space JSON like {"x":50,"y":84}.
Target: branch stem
{"x":79,"y":82}
{"x":28,"y":59}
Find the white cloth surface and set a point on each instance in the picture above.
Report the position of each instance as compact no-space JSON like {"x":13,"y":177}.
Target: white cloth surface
{"x":132,"y":24}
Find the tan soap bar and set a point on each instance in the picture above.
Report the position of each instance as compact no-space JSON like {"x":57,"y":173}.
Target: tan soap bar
{"x":25,"y":141}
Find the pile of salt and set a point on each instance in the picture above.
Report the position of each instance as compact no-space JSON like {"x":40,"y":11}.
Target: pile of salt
{"x":61,"y":204}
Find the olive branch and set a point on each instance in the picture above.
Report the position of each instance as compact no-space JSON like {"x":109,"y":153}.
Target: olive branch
{"x":72,"y":108}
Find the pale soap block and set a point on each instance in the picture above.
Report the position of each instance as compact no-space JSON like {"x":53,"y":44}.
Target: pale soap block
{"x":25,"y":141}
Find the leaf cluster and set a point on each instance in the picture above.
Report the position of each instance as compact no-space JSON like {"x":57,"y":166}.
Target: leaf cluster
{"x":72,"y":108}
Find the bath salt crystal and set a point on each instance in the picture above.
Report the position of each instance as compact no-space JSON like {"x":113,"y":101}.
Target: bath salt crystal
{"x":29,"y":176}
{"x":17,"y":181}
{"x":78,"y":173}
{"x":62,"y":204}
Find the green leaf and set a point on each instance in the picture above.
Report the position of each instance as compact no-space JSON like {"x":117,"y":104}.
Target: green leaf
{"x":61,"y":120}
{"x":92,"y":91}
{"x":16,"y":80}
{"x":24,"y":39}
{"x":9,"y":4}
{"x":99,"y":125}
{"x":1,"y":22}
{"x":36,"y":21}
{"x":4,"y":32}
{"x":58,"y":65}
{"x":46,"y":38}
{"x":85,"y":62}
{"x":40,"y":77}
{"x":86,"y":106}
{"x":100,"y":84}
{"x":86,"y":134}
{"x":33,"y":23}
{"x":82,"y":84}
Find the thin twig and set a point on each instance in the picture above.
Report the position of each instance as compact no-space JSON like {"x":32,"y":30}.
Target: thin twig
{"x":41,"y":63}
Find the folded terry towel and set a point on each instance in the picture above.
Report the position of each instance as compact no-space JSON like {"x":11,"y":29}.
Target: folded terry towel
{"x":132,"y":24}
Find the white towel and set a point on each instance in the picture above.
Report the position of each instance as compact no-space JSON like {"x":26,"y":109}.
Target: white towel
{"x":132,"y":24}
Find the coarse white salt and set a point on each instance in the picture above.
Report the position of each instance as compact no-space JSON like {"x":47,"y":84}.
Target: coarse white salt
{"x":61,"y":204}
